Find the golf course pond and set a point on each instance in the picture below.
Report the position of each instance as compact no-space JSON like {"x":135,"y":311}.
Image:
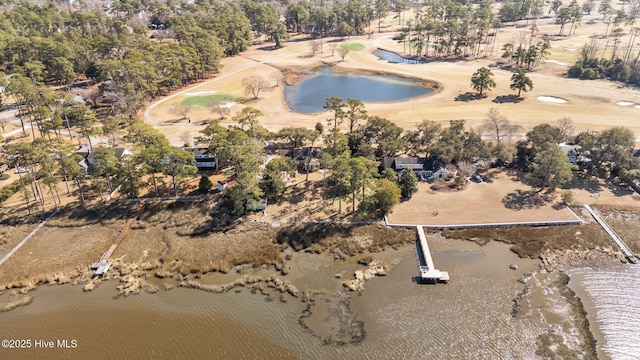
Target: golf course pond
{"x":392,"y":57}
{"x":310,"y":94}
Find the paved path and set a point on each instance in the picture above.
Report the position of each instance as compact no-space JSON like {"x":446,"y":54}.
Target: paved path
{"x":24,"y":241}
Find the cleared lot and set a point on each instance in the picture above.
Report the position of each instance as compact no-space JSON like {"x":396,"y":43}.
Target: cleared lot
{"x":502,"y":199}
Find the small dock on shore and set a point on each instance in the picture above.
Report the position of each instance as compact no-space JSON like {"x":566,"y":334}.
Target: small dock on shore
{"x":428,"y":271}
{"x":631,"y":257}
{"x":102,"y":266}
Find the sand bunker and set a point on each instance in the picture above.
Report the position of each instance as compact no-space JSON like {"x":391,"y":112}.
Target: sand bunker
{"x":624,"y":103}
{"x":229,"y":104}
{"x":556,"y":62}
{"x":552,"y":99}
{"x":201,"y":93}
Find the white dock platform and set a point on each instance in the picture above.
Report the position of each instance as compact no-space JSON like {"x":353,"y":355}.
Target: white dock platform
{"x":101,"y":267}
{"x":428,"y":272}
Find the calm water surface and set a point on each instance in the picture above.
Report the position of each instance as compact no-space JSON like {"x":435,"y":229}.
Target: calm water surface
{"x":395,"y":58}
{"x":309,"y":95}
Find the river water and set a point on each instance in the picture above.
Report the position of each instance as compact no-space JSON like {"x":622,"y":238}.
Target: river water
{"x":469,"y":318}
{"x":611,"y":297}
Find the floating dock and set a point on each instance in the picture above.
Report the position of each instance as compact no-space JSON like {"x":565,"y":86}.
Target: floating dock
{"x":428,"y":271}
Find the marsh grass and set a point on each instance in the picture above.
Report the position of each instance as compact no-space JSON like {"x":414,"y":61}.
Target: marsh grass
{"x":625,"y":221}
{"x":532,"y":242}
{"x":349,"y":239}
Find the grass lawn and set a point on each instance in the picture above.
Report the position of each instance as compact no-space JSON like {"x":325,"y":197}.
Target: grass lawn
{"x":353,"y":46}
{"x":205,"y":100}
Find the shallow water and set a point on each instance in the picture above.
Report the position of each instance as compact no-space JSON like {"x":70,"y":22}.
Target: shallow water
{"x":467,"y":318}
{"x":309,"y":95}
{"x":612,"y":303}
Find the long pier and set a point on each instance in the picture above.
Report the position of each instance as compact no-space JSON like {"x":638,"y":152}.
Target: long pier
{"x":623,"y":247}
{"x":103,"y":265}
{"x":428,"y":271}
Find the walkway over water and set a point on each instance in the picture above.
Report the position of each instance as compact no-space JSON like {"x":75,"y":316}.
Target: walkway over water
{"x":428,"y":271}
{"x":623,"y":247}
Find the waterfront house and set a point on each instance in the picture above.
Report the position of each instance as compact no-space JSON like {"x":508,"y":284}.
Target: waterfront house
{"x":202,"y":158}
{"x":304,"y":157}
{"x":575,"y":154}
{"x":428,"y":168}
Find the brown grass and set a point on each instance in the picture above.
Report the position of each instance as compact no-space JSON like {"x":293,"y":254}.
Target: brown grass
{"x":503,"y":199}
{"x":625,"y":221}
{"x":532,"y":242}
{"x":348,"y":239}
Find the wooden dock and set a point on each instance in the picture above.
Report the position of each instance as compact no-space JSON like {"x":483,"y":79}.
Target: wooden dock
{"x":102,"y":266}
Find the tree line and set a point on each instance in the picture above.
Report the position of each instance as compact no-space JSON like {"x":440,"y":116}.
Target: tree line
{"x":49,"y":45}
{"x":349,"y":158}
{"x":607,"y":55}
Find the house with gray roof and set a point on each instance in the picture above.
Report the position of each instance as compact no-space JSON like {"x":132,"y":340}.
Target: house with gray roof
{"x":428,"y":168}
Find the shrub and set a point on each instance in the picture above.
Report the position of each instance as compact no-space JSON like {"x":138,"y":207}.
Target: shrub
{"x":567,"y":197}
{"x":9,"y":190}
{"x":438,"y":184}
{"x":205,"y":184}
{"x":590,"y":74}
{"x":576,"y":70}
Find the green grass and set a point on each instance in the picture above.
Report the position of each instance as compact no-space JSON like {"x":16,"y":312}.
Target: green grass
{"x":205,"y":100}
{"x":353,"y":46}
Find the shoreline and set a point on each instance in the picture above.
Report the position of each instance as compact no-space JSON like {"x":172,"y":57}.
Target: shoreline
{"x":249,"y":278}
{"x":308,"y":261}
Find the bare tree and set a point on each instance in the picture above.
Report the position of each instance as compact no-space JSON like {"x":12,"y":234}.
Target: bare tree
{"x":452,"y":169}
{"x":566,"y":128}
{"x":186,"y":138}
{"x":277,"y":78}
{"x":496,"y":123}
{"x":332,"y":48}
{"x":342,"y":52}
{"x":220,"y":108}
{"x":3,"y":123}
{"x":315,"y":46}
{"x":181,"y":110}
{"x":93,"y":96}
{"x":254,"y":84}
{"x":467,"y":168}
{"x":511,"y":130}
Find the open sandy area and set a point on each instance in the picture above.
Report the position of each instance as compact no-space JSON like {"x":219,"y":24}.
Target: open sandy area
{"x":504,"y":198}
{"x":590,"y":104}
{"x":501,"y":200}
